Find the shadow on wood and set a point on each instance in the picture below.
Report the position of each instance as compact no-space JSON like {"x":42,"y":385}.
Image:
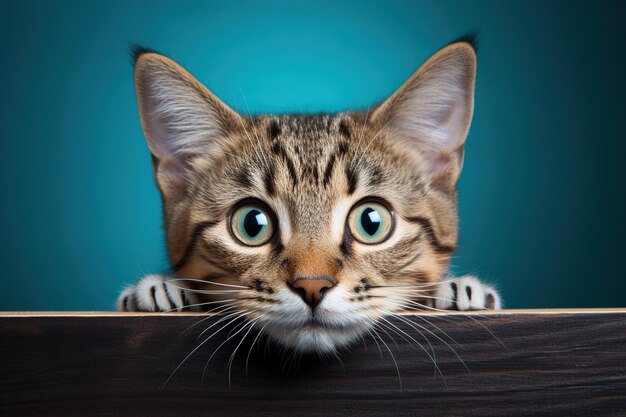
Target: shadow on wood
{"x":561,"y":363}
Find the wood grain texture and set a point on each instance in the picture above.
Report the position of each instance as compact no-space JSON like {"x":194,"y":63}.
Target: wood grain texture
{"x":516,"y":364}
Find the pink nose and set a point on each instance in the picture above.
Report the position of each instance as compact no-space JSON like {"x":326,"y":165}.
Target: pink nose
{"x":312,"y":289}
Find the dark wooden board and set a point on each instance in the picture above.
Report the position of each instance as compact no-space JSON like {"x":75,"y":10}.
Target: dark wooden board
{"x":536,"y":363}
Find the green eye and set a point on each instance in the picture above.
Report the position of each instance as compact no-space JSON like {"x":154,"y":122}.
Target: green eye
{"x":370,"y":222}
{"x":252,"y":224}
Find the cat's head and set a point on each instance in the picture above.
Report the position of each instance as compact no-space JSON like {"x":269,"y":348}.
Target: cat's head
{"x":320,"y":224}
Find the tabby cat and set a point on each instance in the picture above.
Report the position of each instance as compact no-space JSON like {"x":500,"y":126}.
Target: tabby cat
{"x":309,"y":226}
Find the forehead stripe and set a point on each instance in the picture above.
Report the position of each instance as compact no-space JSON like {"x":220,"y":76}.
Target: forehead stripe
{"x":243,"y":178}
{"x":344,"y":130}
{"x":279,"y":151}
{"x":273,"y":131}
{"x":268,"y":180}
{"x":352,"y":177}
{"x":328,"y":172}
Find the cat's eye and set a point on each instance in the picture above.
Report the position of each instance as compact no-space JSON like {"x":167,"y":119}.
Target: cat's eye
{"x":370,"y":222}
{"x":252,"y":224}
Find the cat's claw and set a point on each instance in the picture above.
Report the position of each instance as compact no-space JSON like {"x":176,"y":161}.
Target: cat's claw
{"x":466,"y":293}
{"x":154,"y":293}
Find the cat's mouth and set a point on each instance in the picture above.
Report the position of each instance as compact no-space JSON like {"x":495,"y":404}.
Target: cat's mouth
{"x":318,"y":321}
{"x":314,"y":323}
{"x":314,"y":335}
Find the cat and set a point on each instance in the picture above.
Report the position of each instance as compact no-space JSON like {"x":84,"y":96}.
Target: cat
{"x":310,"y":226}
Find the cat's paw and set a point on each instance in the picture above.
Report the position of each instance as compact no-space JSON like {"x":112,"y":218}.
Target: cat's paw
{"x":466,"y":293}
{"x":154,"y":293}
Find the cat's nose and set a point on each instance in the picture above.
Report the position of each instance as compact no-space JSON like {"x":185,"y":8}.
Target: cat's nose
{"x":312,"y":288}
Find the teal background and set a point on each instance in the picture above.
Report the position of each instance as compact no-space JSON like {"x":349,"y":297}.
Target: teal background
{"x":542,"y":193}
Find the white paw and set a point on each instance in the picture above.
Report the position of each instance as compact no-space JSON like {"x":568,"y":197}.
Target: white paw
{"x":154,"y":293}
{"x":466,"y":293}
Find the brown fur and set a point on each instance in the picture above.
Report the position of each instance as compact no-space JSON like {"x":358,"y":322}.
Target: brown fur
{"x":304,"y":167}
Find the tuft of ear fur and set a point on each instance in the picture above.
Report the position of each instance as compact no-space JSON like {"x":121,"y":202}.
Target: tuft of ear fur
{"x":432,"y":112}
{"x":137,"y":50}
{"x":180,"y":117}
{"x":470,"y":38}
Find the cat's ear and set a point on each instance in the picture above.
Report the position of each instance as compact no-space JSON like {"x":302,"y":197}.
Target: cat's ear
{"x":432,"y":111}
{"x":180,"y":118}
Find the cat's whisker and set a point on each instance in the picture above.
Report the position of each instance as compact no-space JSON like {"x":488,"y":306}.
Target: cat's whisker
{"x":238,"y":313}
{"x":446,"y":318}
{"x":199,"y":346}
{"x":200,"y":304}
{"x":420,"y":306}
{"x":417,"y":286}
{"x":408,"y":322}
{"x":425,"y":307}
{"x":421,"y":294}
{"x":382,"y":326}
{"x":252,"y":346}
{"x":208,"y":292}
{"x":435,"y":335}
{"x":402,"y":318}
{"x":449,"y":300}
{"x":241,"y":324}
{"x":207,"y":315}
{"x":232,"y":356}
{"x":197,"y":291}
{"x":242,"y":327}
{"x":393,"y":358}
{"x":457,"y":312}
{"x":421,"y":317}
{"x":401,"y":332}
{"x":470,"y":316}
{"x":204,"y":281}
{"x":219,"y":291}
{"x":377,"y":344}
{"x":338,"y":359}
{"x":377,"y":325}
{"x":434,"y":356}
{"x":291,"y":360}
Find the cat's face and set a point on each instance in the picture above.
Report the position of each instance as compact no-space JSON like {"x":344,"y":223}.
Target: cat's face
{"x":318,"y":224}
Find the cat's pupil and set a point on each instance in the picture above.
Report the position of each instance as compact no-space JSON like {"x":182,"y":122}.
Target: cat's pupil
{"x":253,"y":222}
{"x":370,"y":221}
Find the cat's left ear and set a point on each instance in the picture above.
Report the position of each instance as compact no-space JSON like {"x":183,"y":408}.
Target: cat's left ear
{"x":432,"y":111}
{"x":181,"y":119}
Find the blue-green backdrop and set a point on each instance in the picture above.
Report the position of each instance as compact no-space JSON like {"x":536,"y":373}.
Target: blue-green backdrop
{"x":542,"y":194}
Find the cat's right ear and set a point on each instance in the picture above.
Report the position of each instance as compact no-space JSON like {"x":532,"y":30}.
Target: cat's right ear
{"x":432,"y":111}
{"x":180,"y":118}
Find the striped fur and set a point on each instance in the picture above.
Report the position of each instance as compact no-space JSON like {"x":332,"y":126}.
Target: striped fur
{"x":311,"y":169}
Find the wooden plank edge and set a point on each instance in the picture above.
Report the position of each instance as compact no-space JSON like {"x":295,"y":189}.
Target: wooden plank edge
{"x":555,"y":311}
